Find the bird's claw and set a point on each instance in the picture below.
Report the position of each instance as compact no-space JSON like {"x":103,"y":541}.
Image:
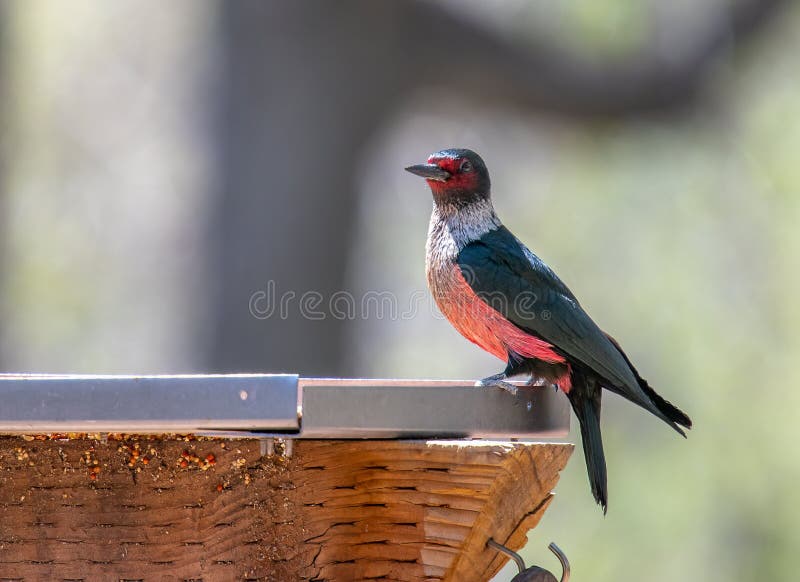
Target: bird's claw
{"x":496,"y":382}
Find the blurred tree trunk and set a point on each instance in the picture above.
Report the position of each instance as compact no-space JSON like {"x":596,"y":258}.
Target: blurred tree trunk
{"x":298,"y":104}
{"x":304,"y":84}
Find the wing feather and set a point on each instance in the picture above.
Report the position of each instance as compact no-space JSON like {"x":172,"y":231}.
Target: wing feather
{"x":530,"y":295}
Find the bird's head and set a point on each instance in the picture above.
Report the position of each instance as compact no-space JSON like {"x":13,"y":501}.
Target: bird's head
{"x":456,"y":176}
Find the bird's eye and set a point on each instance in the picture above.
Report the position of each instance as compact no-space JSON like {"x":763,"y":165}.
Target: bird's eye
{"x":466,"y":166}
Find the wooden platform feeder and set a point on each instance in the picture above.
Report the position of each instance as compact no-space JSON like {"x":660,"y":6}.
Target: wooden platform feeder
{"x":223,"y":478}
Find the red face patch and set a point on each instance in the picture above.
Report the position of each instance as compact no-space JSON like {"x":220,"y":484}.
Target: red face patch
{"x":463,"y":175}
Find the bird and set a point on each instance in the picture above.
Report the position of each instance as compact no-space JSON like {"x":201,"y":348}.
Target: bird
{"x":502,"y":297}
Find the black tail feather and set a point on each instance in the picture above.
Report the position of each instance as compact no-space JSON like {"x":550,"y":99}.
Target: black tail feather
{"x":674,"y":414}
{"x":585,"y":399}
{"x":669,"y":410}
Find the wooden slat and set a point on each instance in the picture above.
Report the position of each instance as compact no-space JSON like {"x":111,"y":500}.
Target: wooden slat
{"x":336,"y":510}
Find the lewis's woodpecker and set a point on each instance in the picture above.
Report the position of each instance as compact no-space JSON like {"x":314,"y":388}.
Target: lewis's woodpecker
{"x":502,"y":297}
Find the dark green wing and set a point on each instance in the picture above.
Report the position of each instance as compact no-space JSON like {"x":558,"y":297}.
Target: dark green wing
{"x":502,"y":271}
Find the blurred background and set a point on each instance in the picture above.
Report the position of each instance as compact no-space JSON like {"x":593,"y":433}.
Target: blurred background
{"x":161,"y":164}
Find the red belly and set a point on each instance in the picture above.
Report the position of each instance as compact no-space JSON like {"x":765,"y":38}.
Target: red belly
{"x":480,"y":323}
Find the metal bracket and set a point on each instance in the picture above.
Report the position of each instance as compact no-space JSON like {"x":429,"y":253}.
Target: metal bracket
{"x":277,"y":405}
{"x":335,"y":408}
{"x":534,"y":573}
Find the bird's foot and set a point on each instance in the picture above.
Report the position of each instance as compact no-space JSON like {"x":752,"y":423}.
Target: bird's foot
{"x":498,"y":380}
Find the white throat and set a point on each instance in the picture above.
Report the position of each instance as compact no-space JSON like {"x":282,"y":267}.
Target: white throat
{"x":452,"y":228}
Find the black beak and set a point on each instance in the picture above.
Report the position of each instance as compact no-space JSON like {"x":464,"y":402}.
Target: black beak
{"x":429,"y":172}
